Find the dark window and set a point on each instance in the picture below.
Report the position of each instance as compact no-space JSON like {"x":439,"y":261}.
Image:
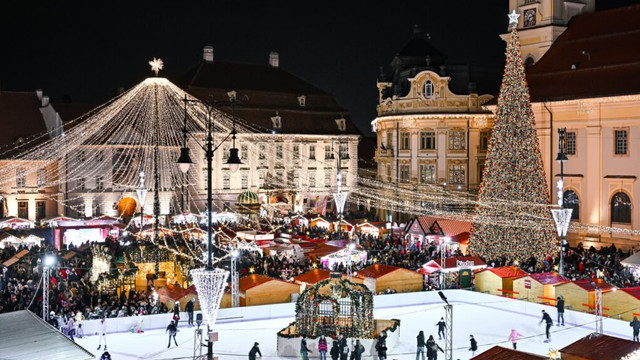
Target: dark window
{"x":41,"y":210}
{"x":571,"y":201}
{"x":23,"y":209}
{"x":621,"y":208}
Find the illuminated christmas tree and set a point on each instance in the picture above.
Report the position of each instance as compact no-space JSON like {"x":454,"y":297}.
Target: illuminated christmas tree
{"x":512,"y":220}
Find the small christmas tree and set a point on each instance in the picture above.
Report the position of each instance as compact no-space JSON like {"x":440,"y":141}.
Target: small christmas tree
{"x":512,"y":220}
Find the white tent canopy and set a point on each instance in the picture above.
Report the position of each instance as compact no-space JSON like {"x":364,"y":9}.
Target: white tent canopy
{"x":633,"y":260}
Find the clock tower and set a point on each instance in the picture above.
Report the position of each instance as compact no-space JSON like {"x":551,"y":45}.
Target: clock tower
{"x":542,"y":21}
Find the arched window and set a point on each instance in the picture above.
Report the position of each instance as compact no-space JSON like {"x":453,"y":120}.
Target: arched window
{"x":428,"y":89}
{"x":621,"y":208}
{"x":571,"y":201}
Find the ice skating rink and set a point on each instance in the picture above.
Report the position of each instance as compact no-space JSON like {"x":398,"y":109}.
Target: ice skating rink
{"x":489,"y":318}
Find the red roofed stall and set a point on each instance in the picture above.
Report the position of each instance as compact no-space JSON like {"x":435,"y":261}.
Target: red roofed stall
{"x":538,"y":287}
{"x":580,"y":294}
{"x":599,"y":347}
{"x":495,"y":280}
{"x":379,"y":278}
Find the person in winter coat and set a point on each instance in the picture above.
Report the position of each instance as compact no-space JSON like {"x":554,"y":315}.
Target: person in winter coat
{"x":189,"y":309}
{"x":433,"y":348}
{"x":323,"y":347}
{"x":103,"y":333}
{"x":441,"y":326}
{"x":344,"y":348}
{"x":513,"y":337}
{"x":176,"y":312}
{"x":358,"y":350}
{"x":560,"y":307}
{"x":173,"y":330}
{"x":635,"y":324}
{"x":474,"y":345}
{"x":105,"y":356}
{"x":254,"y":350}
{"x":304,"y":350}
{"x":381,"y":346}
{"x":335,"y":350}
{"x":421,"y":344}
{"x":52,"y":320}
{"x":547,"y":319}
{"x":71,"y":329}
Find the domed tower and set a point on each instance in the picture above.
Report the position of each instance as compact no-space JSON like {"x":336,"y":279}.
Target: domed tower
{"x":249,"y":204}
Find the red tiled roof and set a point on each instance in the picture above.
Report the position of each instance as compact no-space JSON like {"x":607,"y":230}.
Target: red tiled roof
{"x":500,"y":353}
{"x":457,"y":230}
{"x":251,"y":281}
{"x":313,"y":276}
{"x":377,"y":270}
{"x":586,"y":284}
{"x":548,"y":278}
{"x":610,"y":66}
{"x":634,"y":291}
{"x":507,"y":271}
{"x":600,"y":346}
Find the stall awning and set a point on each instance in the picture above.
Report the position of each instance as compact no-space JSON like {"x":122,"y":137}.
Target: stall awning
{"x":633,"y":260}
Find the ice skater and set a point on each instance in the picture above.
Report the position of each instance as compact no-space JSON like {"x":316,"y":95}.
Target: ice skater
{"x":635,"y":324}
{"x":189,"y":309}
{"x":254,"y":350}
{"x":323,"y":347}
{"x":381,"y":346}
{"x":335,"y":350}
{"x":421,"y":344}
{"x":560,"y":307}
{"x":433,"y":348}
{"x":103,"y":333}
{"x":344,"y":348}
{"x":513,"y":337}
{"x":546,"y":318}
{"x":474,"y":345}
{"x":358,"y":350}
{"x":441,"y":326}
{"x":304,"y":350}
{"x":173,"y":330}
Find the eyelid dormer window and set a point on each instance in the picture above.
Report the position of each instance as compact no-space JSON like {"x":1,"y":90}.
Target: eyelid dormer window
{"x":302,"y":101}
{"x":277,"y":122}
{"x":342,"y":124}
{"x":428,"y":89}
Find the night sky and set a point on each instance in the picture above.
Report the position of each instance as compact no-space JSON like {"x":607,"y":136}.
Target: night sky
{"x":84,"y":50}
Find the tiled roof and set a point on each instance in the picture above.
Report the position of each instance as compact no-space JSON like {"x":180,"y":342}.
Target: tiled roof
{"x":586,"y":284}
{"x":507,"y":271}
{"x":603,"y":47}
{"x":377,"y":270}
{"x":175,"y":292}
{"x":549,"y":278}
{"x":501,"y":353}
{"x":600,"y":346}
{"x":323,"y":249}
{"x":20,"y":117}
{"x":313,"y":276}
{"x":71,"y":111}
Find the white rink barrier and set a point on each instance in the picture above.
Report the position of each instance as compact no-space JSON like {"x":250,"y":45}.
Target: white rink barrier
{"x":291,"y":346}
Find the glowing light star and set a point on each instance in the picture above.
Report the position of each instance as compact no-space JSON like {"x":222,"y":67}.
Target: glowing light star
{"x":156,"y":65}
{"x":513,"y":17}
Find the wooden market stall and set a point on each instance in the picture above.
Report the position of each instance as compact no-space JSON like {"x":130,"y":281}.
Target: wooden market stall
{"x":498,"y":281}
{"x":312,"y":277}
{"x":261,"y":290}
{"x":319,"y":222}
{"x":380,"y":278}
{"x":580,"y":294}
{"x":538,"y":287}
{"x":171,"y":294}
{"x":368,"y":228}
{"x":502,"y":353}
{"x":624,"y":301}
{"x":599,"y":347}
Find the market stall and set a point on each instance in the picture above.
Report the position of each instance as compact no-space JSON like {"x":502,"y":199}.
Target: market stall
{"x":498,"y":281}
{"x":332,"y":260}
{"x":16,"y":223}
{"x":380,"y":278}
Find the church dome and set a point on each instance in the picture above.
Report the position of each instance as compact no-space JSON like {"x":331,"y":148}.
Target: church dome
{"x":248,"y":197}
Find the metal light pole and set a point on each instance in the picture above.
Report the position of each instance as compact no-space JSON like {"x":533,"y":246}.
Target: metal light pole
{"x":235,"y":279}
{"x":448,"y":321}
{"x":209,"y":282}
{"x":49,"y":261}
{"x":141,"y":191}
{"x":562,"y":217}
{"x":598,"y":310}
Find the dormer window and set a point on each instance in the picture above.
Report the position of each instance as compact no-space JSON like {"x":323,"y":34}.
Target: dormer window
{"x":302,"y":101}
{"x":342,"y":124}
{"x":428,"y":89}
{"x":277,"y":121}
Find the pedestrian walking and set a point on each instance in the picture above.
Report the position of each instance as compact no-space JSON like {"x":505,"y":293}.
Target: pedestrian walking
{"x":323,"y":347}
{"x":560,"y":307}
{"x":304,"y":350}
{"x":335,"y":350}
{"x":358,"y":350}
{"x":103,"y":333}
{"x":344,"y":348}
{"x":513,"y":337}
{"x":173,"y":330}
{"x":189,"y":309}
{"x":433,"y":348}
{"x":635,"y":324}
{"x":546,"y":318}
{"x":441,"y":326}
{"x":254,"y":350}
{"x":420,"y":345}
{"x":474,"y":345}
{"x":381,"y":346}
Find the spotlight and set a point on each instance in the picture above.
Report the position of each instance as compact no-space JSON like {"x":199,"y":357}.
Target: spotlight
{"x":444,"y":298}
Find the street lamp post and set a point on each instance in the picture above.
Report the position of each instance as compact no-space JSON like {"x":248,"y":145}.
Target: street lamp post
{"x":448,"y":320}
{"x":141,"y":191}
{"x":562,"y":216}
{"x":210,"y":282}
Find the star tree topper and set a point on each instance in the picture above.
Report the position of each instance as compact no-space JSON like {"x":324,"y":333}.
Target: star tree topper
{"x":156,"y":65}
{"x":513,"y":17}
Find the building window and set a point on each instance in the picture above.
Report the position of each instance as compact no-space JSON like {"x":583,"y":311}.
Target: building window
{"x":344,"y":151}
{"x":302,"y":101}
{"x":244,"y":152}
{"x":312,"y":179}
{"x":327,"y":178}
{"x":41,"y":210}
{"x":570,"y":143}
{"x":225,"y":152}
{"x":279,"y":178}
{"x":296,"y":179}
{"x":296,"y":151}
{"x":327,"y":152}
{"x":261,"y":179}
{"x":81,"y":184}
{"x":404,"y":173}
{"x":312,"y":152}
{"x":99,"y":183}
{"x":276,"y":121}
{"x":389,"y":139}
{"x":621,"y":141}
{"x":457,"y":140}
{"x":42,"y":177}
{"x":405,"y":141}
{"x":226,"y":181}
{"x":21,"y":178}
{"x":484,"y":140}
{"x":456,"y":173}
{"x":279,"y":151}
{"x":621,"y":208}
{"x":245,"y":181}
{"x":571,"y":201}
{"x":428,"y":89}
{"x":428,"y":140}
{"x":480,"y":171}
{"x":23,"y":209}
{"x":263,"y":150}
{"x":388,"y":179}
{"x":427,"y":173}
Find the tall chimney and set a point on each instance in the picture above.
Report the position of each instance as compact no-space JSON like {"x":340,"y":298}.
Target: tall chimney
{"x":39,"y":94}
{"x":207,"y":54}
{"x":274,"y":59}
{"x":44,"y":102}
